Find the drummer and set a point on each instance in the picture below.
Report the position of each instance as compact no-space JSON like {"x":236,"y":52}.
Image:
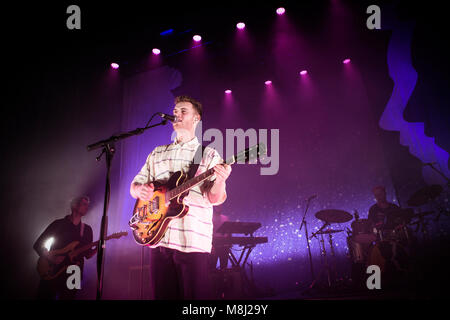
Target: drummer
{"x":380,"y":211}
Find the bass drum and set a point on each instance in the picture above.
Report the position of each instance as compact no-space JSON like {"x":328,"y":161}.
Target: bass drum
{"x":390,"y":256}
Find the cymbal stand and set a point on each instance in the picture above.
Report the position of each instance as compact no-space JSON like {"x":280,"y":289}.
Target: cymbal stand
{"x":423,"y":226}
{"x":440,"y":173}
{"x":406,"y":232}
{"x":325,"y":265}
{"x":333,"y":256}
{"x":307,"y":237}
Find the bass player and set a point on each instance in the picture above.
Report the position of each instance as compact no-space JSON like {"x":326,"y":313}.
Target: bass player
{"x":57,"y":235}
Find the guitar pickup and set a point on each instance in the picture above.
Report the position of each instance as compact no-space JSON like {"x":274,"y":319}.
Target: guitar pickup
{"x":154,"y":216}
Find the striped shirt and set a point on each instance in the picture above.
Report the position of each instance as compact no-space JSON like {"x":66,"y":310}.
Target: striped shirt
{"x":193,"y":232}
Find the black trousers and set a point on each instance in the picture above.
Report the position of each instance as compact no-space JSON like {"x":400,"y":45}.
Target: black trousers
{"x":219,"y":253}
{"x":55,"y":289}
{"x":176,"y":275}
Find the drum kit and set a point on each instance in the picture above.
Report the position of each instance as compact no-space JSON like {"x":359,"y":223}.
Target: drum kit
{"x":388,"y":245}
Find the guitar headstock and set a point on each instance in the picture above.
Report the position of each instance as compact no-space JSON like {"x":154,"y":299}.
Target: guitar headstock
{"x":249,"y":154}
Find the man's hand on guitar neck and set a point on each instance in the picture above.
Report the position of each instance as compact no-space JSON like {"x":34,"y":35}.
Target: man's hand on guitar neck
{"x":217,"y":193}
{"x":222,"y":172}
{"x":142,"y":191}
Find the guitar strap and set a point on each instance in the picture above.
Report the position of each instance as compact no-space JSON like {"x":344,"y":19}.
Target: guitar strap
{"x":81,"y":229}
{"x":198,"y":156}
{"x":81,"y":226}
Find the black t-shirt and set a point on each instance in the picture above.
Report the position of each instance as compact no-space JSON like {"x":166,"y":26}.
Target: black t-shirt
{"x":63,"y":232}
{"x":378,"y":214}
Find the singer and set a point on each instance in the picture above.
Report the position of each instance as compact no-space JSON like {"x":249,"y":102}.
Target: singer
{"x":179,"y":263}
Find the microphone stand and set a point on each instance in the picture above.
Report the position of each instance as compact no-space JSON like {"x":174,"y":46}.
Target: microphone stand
{"x":307,"y":237}
{"x":439,"y":172}
{"x":108,"y":149}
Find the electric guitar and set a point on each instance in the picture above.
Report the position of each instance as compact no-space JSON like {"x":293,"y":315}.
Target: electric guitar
{"x":72,"y":256}
{"x":151,"y":219}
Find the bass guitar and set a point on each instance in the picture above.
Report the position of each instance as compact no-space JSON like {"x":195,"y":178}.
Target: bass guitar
{"x":72,"y":256}
{"x":151,"y":219}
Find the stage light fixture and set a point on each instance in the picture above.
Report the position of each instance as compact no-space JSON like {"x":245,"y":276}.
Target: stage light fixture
{"x":240,"y":25}
{"x":228,"y":91}
{"x":197,"y":38}
{"x":346,"y":61}
{"x":281,"y":11}
{"x":268,"y":82}
{"x":303,"y":72}
{"x":156,"y":51}
{"x":114,"y":65}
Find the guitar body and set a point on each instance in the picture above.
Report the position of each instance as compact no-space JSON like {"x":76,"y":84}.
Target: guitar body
{"x":73,"y":254}
{"x":48,"y":270}
{"x":152,"y":217}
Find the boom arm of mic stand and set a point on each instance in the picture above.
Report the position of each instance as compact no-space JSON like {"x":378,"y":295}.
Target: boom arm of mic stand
{"x":321,"y":228}
{"x":103,"y":143}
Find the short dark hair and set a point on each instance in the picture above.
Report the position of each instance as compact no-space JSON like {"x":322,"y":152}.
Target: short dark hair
{"x":374,"y":189}
{"x":75,"y":202}
{"x":196,"y":104}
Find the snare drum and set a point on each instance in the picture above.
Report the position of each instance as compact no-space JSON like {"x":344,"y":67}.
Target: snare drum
{"x":399,"y":234}
{"x":362,"y":231}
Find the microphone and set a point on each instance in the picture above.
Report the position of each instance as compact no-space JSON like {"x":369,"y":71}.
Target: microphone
{"x":312,"y":197}
{"x":168,"y":117}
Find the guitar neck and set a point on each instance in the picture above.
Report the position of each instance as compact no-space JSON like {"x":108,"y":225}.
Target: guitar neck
{"x":88,"y":246}
{"x":175,"y":192}
{"x":246,"y":155}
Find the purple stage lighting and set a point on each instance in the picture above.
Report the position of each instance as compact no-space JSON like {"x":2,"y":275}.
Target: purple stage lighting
{"x":156,"y":51}
{"x":197,"y":38}
{"x":114,"y":65}
{"x":240,"y":25}
{"x":228,"y":91}
{"x":303,"y":72}
{"x":268,"y":82}
{"x":281,"y":11}
{"x":346,"y":61}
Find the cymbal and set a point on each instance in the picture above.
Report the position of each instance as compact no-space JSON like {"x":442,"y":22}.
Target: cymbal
{"x":422,"y":196}
{"x":333,"y":216}
{"x":329,"y":231}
